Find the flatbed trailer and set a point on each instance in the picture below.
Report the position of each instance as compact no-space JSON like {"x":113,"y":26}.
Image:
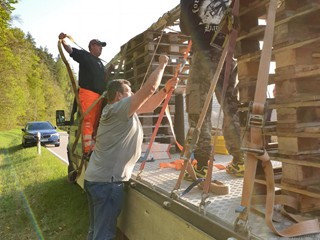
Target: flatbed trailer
{"x":150,"y":211}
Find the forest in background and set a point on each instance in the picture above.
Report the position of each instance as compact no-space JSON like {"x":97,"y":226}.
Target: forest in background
{"x":33,"y":84}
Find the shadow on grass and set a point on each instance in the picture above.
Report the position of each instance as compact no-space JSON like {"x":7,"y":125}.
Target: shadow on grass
{"x":9,"y":152}
{"x":64,"y":205}
{"x":54,"y":209}
{"x":12,"y":149}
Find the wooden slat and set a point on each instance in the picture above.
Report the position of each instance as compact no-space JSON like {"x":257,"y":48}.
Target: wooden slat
{"x":292,"y":189}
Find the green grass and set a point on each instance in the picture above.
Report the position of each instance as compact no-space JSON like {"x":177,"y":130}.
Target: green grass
{"x":36,"y":201}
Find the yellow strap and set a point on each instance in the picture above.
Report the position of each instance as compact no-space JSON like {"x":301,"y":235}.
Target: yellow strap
{"x":76,"y":94}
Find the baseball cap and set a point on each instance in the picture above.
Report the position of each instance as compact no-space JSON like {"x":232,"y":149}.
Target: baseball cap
{"x":96,"y":41}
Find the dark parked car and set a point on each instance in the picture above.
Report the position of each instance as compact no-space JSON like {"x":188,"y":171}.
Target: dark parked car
{"x":48,"y":132}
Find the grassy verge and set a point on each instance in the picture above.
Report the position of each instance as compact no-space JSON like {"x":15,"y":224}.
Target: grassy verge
{"x":36,"y":201}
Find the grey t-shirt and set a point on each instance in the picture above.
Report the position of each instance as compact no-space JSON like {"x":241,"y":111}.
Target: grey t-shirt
{"x":118,"y":144}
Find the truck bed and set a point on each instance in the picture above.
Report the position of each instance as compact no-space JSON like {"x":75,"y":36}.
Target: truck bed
{"x":217,"y":218}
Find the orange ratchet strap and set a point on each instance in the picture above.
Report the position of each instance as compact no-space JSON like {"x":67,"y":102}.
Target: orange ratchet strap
{"x":178,"y":70}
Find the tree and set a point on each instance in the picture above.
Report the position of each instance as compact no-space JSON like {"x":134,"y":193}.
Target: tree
{"x":32,"y":84}
{"x":5,"y":13}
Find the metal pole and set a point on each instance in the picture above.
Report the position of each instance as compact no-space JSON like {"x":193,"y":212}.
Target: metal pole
{"x":38,"y":143}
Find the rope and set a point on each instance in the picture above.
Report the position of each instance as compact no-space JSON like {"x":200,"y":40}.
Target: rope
{"x":154,"y":53}
{"x":75,"y":91}
{"x":72,"y":40}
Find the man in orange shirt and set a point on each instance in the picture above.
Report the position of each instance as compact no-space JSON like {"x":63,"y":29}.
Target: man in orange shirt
{"x":92,"y":83}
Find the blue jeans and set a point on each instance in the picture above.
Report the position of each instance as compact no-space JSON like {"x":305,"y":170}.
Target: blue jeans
{"x":105,"y":204}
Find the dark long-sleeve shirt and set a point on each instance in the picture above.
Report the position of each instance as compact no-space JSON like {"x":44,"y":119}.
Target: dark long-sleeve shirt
{"x":91,"y":71}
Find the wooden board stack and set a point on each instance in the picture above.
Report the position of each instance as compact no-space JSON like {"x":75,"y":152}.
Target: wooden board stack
{"x":140,"y":57}
{"x":296,"y":53}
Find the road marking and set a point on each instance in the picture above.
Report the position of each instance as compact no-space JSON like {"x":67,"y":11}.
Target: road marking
{"x":57,"y":155}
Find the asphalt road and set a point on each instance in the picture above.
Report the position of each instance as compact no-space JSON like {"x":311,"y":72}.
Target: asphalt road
{"x":61,"y":152}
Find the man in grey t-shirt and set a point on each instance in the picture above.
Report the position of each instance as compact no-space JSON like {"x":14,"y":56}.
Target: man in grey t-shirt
{"x":118,"y":148}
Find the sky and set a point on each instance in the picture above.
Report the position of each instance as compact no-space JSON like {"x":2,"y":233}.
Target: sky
{"x":112,"y":21}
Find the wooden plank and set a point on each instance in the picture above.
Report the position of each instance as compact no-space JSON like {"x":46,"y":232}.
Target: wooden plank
{"x":292,"y":29}
{"x":293,"y":189}
{"x":304,"y":56}
{"x":302,"y":130}
{"x":249,"y":6}
{"x":248,"y":69}
{"x":302,"y":160}
{"x":301,"y":176}
{"x":298,"y":146}
{"x":298,"y":72}
{"x":299,"y":119}
{"x":246,"y":91}
{"x":297,"y":10}
{"x":256,"y":55}
{"x":308,"y":203}
{"x":292,"y":32}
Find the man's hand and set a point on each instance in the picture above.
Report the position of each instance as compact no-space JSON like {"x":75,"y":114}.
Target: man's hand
{"x":163,"y":59}
{"x":171,"y":84}
{"x":62,"y":36}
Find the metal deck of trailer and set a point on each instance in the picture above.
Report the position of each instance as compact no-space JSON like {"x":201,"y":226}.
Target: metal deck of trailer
{"x":217,"y":219}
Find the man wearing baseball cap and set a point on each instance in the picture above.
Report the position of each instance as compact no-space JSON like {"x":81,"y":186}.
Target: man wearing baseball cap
{"x":96,"y":41}
{"x":92,"y":83}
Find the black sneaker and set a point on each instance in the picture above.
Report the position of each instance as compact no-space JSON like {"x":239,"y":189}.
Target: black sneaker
{"x":187,"y":177}
{"x":236,"y":169}
{"x":202,"y":173}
